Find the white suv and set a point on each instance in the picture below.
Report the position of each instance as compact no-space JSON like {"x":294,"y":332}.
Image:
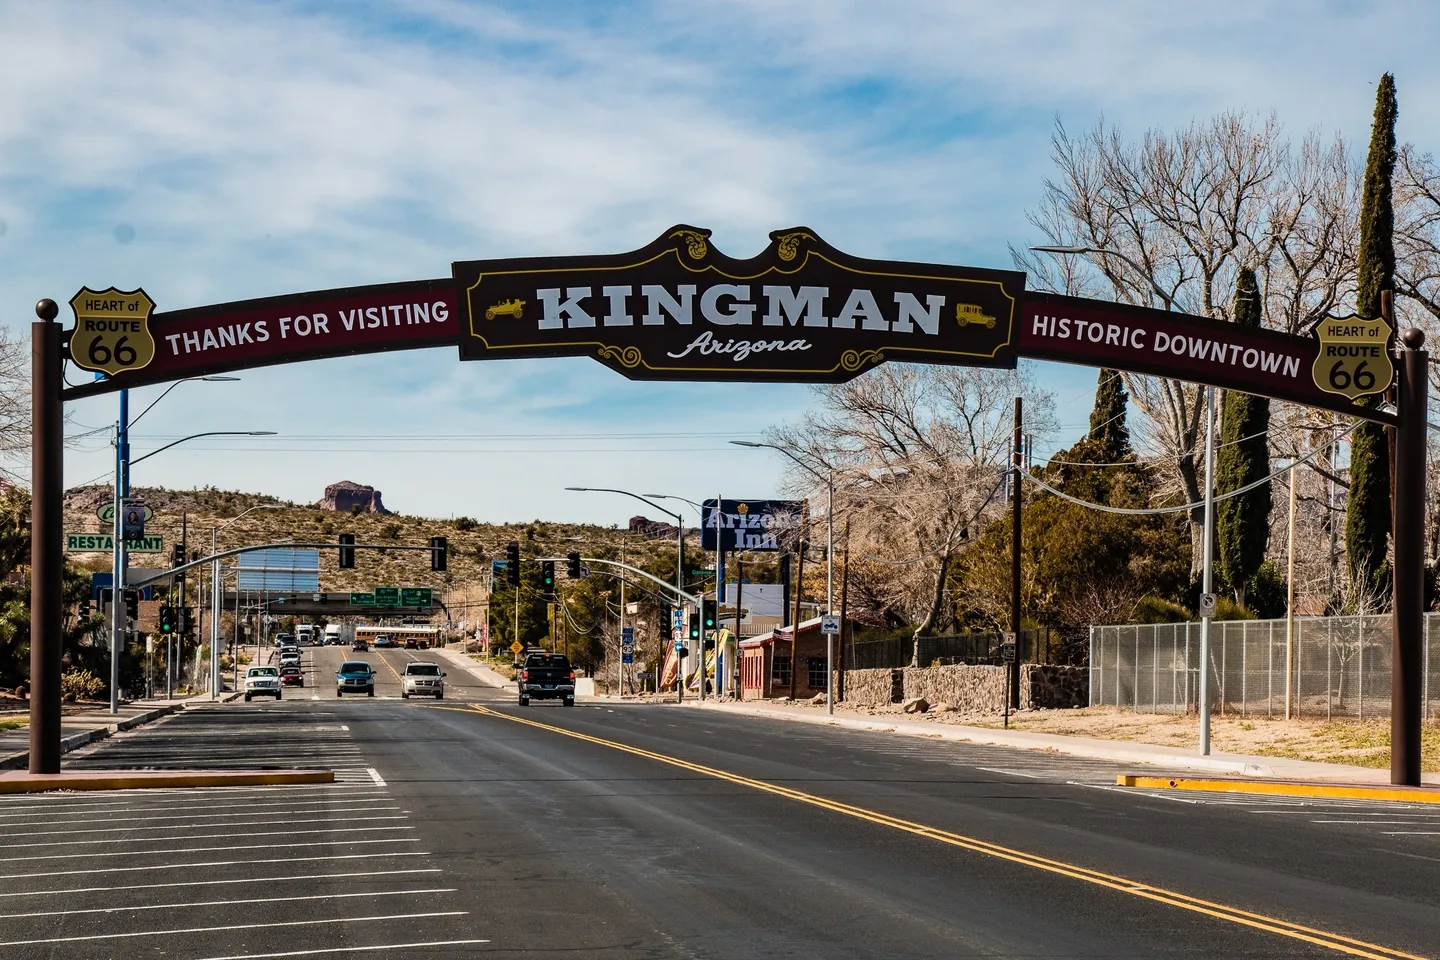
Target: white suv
{"x":262,"y":682}
{"x":423,"y":680}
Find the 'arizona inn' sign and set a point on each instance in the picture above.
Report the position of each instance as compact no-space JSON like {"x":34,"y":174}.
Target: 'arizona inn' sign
{"x":680,"y":309}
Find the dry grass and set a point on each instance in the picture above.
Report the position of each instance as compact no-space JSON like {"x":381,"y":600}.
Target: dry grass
{"x":1362,"y":743}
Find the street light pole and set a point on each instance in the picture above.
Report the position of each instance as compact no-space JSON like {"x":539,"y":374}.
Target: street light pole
{"x":829,"y":480}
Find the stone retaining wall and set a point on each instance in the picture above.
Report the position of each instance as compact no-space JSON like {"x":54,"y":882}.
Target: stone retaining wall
{"x":970,"y":689}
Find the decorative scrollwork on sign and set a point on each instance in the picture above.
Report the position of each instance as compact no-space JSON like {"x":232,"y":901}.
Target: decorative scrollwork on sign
{"x":627,"y":357}
{"x":695,"y":244}
{"x":852,"y":360}
{"x":789,"y":244}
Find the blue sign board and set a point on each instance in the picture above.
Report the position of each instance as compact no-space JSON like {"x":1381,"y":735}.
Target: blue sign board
{"x":280,"y":570}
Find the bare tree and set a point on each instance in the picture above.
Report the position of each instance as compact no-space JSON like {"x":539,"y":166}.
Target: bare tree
{"x":916,"y":453}
{"x":1170,"y":220}
{"x":14,"y":405}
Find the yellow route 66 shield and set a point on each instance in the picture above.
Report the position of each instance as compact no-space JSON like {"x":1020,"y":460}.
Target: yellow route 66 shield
{"x":1354,"y":356}
{"x":112,"y":330}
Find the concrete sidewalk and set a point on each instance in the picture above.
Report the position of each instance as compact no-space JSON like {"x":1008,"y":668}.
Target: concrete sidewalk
{"x":1121,"y":751}
{"x":476,"y":669}
{"x":82,"y":727}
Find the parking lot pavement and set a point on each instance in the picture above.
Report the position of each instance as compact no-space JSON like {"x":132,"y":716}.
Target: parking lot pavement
{"x":240,"y":872}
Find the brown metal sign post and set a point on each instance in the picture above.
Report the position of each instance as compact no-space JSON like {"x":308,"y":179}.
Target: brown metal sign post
{"x":678,"y":309}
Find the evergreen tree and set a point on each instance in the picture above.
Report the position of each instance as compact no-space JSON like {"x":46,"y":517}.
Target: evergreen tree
{"x":1108,"y":432}
{"x":1242,"y":523}
{"x":1367,"y":508}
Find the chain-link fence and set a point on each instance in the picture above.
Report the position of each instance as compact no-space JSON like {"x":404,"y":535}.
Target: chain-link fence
{"x":1340,"y":666}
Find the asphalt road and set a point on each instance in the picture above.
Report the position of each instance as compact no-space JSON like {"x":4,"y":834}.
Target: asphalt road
{"x":474,"y":827}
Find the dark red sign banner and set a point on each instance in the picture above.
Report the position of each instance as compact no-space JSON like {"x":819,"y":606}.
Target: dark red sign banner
{"x":1099,"y":333}
{"x":285,"y":329}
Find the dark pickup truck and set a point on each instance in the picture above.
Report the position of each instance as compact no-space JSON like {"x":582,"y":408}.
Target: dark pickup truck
{"x":547,"y":676}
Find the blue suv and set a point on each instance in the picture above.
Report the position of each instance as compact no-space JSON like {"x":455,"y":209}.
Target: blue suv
{"x":355,"y":676}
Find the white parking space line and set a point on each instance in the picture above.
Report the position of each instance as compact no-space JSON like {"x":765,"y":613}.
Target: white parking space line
{"x":370,"y":949}
{"x":292,"y":822}
{"x":67,"y":891}
{"x":236,"y":926}
{"x":375,"y":776}
{"x":200,"y":836}
{"x":241,"y":846}
{"x":243,"y":806}
{"x":226,"y":903}
{"x":154,"y":867}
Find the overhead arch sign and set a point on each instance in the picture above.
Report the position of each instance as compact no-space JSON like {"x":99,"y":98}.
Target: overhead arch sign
{"x":680,"y":309}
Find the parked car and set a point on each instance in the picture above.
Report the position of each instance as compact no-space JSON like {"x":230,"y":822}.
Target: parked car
{"x":262,"y":682}
{"x":292,"y":677}
{"x":355,"y":676}
{"x":360,"y":645}
{"x":547,"y":676}
{"x":422,"y":679}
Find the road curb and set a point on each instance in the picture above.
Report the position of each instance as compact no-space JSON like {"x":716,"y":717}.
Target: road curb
{"x":21,"y":782}
{"x":1287,"y":788}
{"x":21,"y":759}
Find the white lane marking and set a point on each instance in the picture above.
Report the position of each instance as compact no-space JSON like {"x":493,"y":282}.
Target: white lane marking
{"x":202,"y":836}
{"x":364,"y":808}
{"x":1010,"y":773}
{"x":1383,"y":823}
{"x":378,"y":946}
{"x":241,"y":846}
{"x":226,"y":903}
{"x":1412,"y":833}
{"x":210,"y":883}
{"x":213,"y":863}
{"x":379,"y":782}
{"x":235,"y":926}
{"x":51,"y":833}
{"x":254,"y":806}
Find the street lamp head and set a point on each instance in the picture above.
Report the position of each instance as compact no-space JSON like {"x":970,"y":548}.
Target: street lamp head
{"x":579,"y":489}
{"x":260,"y":433}
{"x":752,"y":443}
{"x":1063,"y":248}
{"x":220,"y":379}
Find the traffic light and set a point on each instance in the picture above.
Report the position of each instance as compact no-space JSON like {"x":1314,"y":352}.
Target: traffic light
{"x":572,"y":565}
{"x":347,"y":551}
{"x":694,"y":625}
{"x":512,"y":563}
{"x":709,"y":608}
{"x":85,"y":609}
{"x":547,"y":575}
{"x":167,"y":619}
{"x":132,"y":604}
{"x":177,"y":555}
{"x":710,"y":643}
{"x":438,"y":550}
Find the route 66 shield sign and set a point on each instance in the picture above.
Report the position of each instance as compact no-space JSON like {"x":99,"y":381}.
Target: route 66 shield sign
{"x":112,"y":330}
{"x":1354,"y":356}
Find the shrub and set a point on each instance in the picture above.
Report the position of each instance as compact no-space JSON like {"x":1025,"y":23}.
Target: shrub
{"x":391,"y":531}
{"x":464,"y":524}
{"x":80,"y":685}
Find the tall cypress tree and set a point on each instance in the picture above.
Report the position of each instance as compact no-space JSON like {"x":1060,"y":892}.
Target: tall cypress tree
{"x":1243,"y":523}
{"x":1367,"y":507}
{"x":1108,"y":431}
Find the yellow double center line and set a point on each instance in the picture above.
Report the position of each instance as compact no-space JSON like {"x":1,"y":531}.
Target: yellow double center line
{"x":1295,"y":931}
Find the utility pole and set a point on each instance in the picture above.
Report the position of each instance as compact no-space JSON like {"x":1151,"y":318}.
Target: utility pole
{"x":1207,"y":556}
{"x":1016,"y":453}
{"x":738,"y":690}
{"x":799,"y":590}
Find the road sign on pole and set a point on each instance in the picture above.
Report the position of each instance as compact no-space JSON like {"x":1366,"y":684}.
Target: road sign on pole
{"x":517,"y":647}
{"x":362,"y":599}
{"x":830,"y":625}
{"x":416,"y":597}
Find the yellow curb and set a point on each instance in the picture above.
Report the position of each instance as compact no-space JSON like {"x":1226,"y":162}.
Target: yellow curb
{"x":21,"y":782}
{"x":1287,"y":788}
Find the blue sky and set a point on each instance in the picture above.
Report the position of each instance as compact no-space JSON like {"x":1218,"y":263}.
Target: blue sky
{"x":213,"y":152}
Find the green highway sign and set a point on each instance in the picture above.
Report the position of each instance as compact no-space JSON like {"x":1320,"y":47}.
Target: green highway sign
{"x":700,"y":572}
{"x":387,"y":596}
{"x":415,"y":597}
{"x":105,"y":543}
{"x":362,"y":599}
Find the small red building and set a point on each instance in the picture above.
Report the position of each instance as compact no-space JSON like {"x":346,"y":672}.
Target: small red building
{"x":765,"y":663}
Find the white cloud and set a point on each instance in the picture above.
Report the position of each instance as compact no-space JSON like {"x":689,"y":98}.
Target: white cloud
{"x":266,"y":148}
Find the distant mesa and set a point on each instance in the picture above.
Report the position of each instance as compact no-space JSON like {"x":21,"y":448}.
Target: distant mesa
{"x":347,"y":497}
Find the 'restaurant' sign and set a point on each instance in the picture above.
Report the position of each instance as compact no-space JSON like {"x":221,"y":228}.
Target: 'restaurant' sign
{"x":679,"y":309}
{"x":303,"y":326}
{"x":1184,"y":347}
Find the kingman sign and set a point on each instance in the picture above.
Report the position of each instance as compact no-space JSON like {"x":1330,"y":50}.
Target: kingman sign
{"x":679,"y":309}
